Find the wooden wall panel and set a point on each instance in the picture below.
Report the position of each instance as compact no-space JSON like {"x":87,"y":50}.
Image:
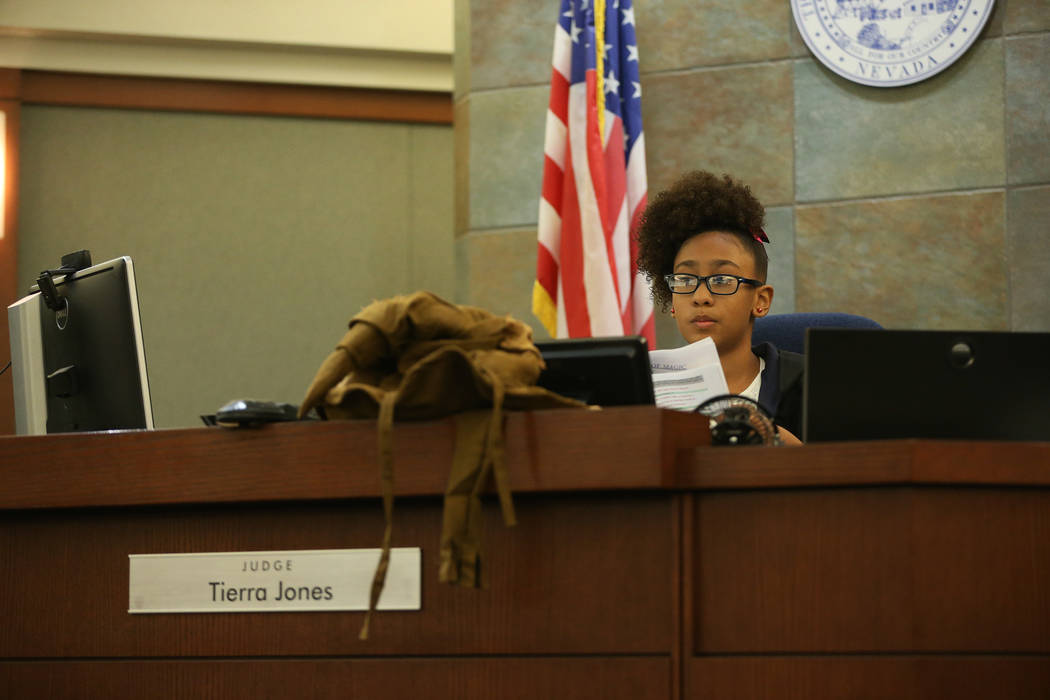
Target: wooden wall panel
{"x":982,"y":569}
{"x":580,"y":678}
{"x":878,"y":569}
{"x":232,"y":97}
{"x":870,"y":678}
{"x":11,"y":108}
{"x":10,"y":83}
{"x":875,"y":462}
{"x":583,"y":575}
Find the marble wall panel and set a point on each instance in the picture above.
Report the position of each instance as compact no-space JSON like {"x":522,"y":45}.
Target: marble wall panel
{"x":459,"y":251}
{"x":506,"y":156}
{"x":1025,"y":15}
{"x":735,"y":120}
{"x":798,"y":134}
{"x":1028,"y":214}
{"x":798,"y":44}
{"x":511,"y":42}
{"x":1028,"y":109}
{"x":667,"y":335}
{"x":461,"y":164}
{"x":780,"y":226}
{"x":944,"y":133}
{"x":997,"y":22}
{"x":921,"y":262}
{"x":675,"y":34}
{"x":497,"y":269}
{"x":461,"y":54}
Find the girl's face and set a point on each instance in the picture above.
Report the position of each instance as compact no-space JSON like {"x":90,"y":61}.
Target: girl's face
{"x":726,"y":319}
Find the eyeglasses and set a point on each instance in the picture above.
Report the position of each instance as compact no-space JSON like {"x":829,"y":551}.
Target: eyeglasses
{"x":722,"y":284}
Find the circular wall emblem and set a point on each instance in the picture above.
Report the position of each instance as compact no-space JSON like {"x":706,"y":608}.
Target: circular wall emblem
{"x":889,"y":43}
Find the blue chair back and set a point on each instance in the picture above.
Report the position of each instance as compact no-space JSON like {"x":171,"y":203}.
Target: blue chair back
{"x":788,"y":331}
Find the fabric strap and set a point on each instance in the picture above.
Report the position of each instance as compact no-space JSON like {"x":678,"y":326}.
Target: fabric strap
{"x":386,"y":474}
{"x":478,"y":452}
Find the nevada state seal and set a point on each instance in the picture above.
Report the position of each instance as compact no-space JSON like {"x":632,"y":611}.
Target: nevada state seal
{"x":889,"y":43}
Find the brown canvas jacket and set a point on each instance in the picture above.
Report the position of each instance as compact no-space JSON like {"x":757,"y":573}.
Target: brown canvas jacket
{"x":420,"y":357}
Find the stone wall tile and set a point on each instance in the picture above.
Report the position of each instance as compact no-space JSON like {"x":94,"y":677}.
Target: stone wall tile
{"x":461,"y":54}
{"x":676,"y":34}
{"x":944,"y":133}
{"x":506,"y":156}
{"x":735,"y":120}
{"x":1028,"y":109}
{"x":667,"y":335}
{"x":511,"y":42}
{"x":1025,"y":15}
{"x":461,"y":250}
{"x":780,"y":226}
{"x":925,"y":262}
{"x":1028,"y":214}
{"x":497,"y":269}
{"x":996,"y":22}
{"x":461,"y":164}
{"x":798,"y":44}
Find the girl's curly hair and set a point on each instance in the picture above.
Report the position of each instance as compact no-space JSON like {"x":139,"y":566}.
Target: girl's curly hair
{"x":696,"y":203}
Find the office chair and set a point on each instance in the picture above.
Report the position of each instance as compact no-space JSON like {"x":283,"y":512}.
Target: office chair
{"x":788,"y":331}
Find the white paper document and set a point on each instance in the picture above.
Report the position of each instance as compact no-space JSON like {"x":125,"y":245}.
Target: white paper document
{"x":683,"y":378}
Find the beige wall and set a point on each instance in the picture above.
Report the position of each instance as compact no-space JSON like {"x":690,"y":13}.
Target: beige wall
{"x":922,"y":207}
{"x":254,"y":238}
{"x":402,"y":45}
{"x":408,"y":25}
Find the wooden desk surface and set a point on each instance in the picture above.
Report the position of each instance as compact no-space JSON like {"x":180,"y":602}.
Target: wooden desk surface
{"x":558,"y":450}
{"x":563,"y":450}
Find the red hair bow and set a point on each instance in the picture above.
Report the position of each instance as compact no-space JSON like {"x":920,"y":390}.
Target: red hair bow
{"x":759,"y":235}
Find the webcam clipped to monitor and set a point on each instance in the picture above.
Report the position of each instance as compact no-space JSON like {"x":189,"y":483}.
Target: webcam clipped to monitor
{"x":611,"y":371}
{"x":77,"y":357}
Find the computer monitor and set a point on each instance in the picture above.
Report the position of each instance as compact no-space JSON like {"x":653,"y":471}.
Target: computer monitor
{"x":82,"y":367}
{"x":963,"y":385}
{"x":599,"y":371}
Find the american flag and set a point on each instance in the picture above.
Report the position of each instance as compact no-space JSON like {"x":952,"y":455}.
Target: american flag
{"x":594,"y":182}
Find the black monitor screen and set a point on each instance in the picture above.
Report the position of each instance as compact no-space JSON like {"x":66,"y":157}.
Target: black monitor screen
{"x":965,"y":385}
{"x":87,"y":361}
{"x":599,"y":371}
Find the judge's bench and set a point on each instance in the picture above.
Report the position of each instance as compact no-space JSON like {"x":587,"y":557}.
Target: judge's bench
{"x":645,"y":564}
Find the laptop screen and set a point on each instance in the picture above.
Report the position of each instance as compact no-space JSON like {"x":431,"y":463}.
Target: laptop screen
{"x":968,"y":385}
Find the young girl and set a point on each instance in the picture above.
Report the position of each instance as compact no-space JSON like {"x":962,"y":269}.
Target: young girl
{"x":701,"y":245}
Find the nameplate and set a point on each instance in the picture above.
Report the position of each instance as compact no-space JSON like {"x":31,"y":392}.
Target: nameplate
{"x":297,"y":580}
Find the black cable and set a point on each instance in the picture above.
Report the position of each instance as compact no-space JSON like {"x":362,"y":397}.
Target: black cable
{"x":5,"y":368}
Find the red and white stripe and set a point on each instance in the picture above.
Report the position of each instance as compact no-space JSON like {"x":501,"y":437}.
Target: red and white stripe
{"x":587,"y":284}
